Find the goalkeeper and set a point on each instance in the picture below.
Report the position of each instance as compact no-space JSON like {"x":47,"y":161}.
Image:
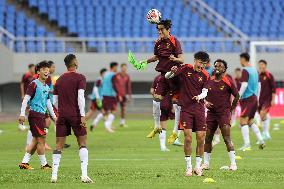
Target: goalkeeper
{"x":96,"y":101}
{"x":168,"y":53}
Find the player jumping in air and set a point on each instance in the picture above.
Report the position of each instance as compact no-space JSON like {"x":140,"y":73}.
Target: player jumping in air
{"x":218,"y":102}
{"x":37,"y":96}
{"x":192,"y":80}
{"x":249,"y":93}
{"x":267,"y":97}
{"x":69,"y":100}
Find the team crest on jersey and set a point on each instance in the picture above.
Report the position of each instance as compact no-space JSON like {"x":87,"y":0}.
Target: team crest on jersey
{"x":222,"y":87}
{"x":189,"y":74}
{"x":168,"y":45}
{"x":184,"y":124}
{"x":199,"y":78}
{"x":264,"y":78}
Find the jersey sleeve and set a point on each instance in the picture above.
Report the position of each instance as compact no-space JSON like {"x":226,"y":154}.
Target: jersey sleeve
{"x":23,"y":78}
{"x":234,"y":89}
{"x":273,"y":84}
{"x":245,"y":76}
{"x":156,"y":48}
{"x":178,"y":49}
{"x":82,"y":83}
{"x":31,"y":89}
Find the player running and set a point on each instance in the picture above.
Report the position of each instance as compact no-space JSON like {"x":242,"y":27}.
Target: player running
{"x":218,"y":102}
{"x":96,"y":103}
{"x":70,"y":101}
{"x":37,"y":96}
{"x":267,"y":97}
{"x":124,"y":87}
{"x":249,"y":93}
{"x":192,"y":80}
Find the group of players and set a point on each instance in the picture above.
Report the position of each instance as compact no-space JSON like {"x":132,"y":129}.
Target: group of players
{"x":204,"y":99}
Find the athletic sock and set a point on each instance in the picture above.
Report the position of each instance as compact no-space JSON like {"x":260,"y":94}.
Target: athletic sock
{"x":198,"y":161}
{"x":257,"y":118}
{"x":188,"y":162}
{"x":97,"y":119}
{"x":207,"y":157}
{"x":122,"y":122}
{"x":266,"y":125}
{"x":245,"y":133}
{"x":162,"y":137}
{"x":232,"y":156}
{"x":83,"y":153}
{"x":256,"y":131}
{"x":42,"y":160}
{"x":55,"y":161}
{"x":177,"y":117}
{"x":26,"y":158}
{"x":156,"y":113}
{"x":29,"y":137}
{"x":108,"y":122}
{"x":216,"y":138}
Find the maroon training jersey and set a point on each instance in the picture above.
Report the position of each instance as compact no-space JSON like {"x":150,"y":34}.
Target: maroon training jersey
{"x":219,"y":94}
{"x":48,"y":80}
{"x":191,"y":84}
{"x":67,"y":86}
{"x":124,"y":84}
{"x":26,"y":80}
{"x":163,"y":49}
{"x":268,"y":87}
{"x":166,"y":103}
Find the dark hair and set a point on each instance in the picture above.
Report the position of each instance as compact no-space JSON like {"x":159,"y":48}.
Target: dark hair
{"x":245,"y":56}
{"x":42,"y":64}
{"x":262,"y":61}
{"x":123,"y":64}
{"x":238,"y":69}
{"x":30,"y":65}
{"x":68,"y":60}
{"x":223,"y":62}
{"x":166,"y":23}
{"x":113,"y":64}
{"x":201,"y":55}
{"x":102,"y":71}
{"x":50,"y":62}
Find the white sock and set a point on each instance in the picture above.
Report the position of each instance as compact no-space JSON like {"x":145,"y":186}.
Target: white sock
{"x":177,"y":117}
{"x":257,"y":118}
{"x":245,"y":133}
{"x":42,"y":160}
{"x":122,"y":122}
{"x":108,"y":122}
{"x":83,"y":153}
{"x":55,"y":162}
{"x":232,"y":156}
{"x":97,"y":119}
{"x":207,"y":157}
{"x":26,"y":158}
{"x":29,"y":137}
{"x":162,"y":137}
{"x":256,"y":131}
{"x":266,"y":125}
{"x":217,"y":137}
{"x":188,"y":162}
{"x":198,"y":161}
{"x":156,"y":113}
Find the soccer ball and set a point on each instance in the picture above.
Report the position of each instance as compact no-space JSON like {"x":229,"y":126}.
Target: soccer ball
{"x":22,"y":127}
{"x":154,"y":16}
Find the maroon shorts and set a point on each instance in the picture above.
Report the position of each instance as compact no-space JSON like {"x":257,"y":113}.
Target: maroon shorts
{"x":109,"y":103}
{"x":164,"y":86}
{"x":64,"y":125}
{"x":37,"y":124}
{"x":194,"y":120}
{"x":213,"y":120}
{"x":264,"y":106}
{"x":248,"y":106}
{"x":123,"y":102}
{"x":167,"y":113}
{"x":94,"y":106}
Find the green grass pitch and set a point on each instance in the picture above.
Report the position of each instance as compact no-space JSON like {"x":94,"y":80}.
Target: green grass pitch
{"x":127,"y":159}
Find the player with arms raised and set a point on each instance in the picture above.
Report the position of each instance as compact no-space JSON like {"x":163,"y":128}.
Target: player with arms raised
{"x":70,"y":102}
{"x":218,"y":102}
{"x":192,"y":80}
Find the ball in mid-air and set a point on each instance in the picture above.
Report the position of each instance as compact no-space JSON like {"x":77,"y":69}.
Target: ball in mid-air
{"x":154,"y":16}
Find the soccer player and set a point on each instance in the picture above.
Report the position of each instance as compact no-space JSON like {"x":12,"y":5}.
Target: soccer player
{"x":238,"y":76}
{"x":96,"y":98}
{"x":69,"y":100}
{"x":110,"y":95}
{"x":249,"y":93}
{"x":267,"y":97}
{"x":209,"y":69}
{"x":192,"y":80}
{"x":124,"y":87}
{"x":37,"y":96}
{"x":218,"y":102}
{"x":167,"y":113}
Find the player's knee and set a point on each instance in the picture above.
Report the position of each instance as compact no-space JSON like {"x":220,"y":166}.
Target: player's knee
{"x":187,"y":139}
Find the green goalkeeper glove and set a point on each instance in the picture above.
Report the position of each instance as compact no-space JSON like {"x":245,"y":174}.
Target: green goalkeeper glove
{"x":99,"y":103}
{"x":138,"y":66}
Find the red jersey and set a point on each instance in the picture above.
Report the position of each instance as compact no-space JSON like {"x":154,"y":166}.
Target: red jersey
{"x":123,"y":84}
{"x":67,"y":86}
{"x":26,"y":80}
{"x":238,"y":83}
{"x":268,"y":87}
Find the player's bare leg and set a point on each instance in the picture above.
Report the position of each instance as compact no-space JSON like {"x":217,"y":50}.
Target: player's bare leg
{"x":187,"y":151}
{"x":162,"y":137}
{"x":200,"y":137}
{"x":216,"y":139}
{"x":122,"y":115}
{"x":41,"y":152}
{"x":257,"y":133}
{"x":245,"y":133}
{"x":47,"y":125}
{"x":89,"y":114}
{"x":265,"y":124}
{"x":60,"y":141}
{"x":156,"y":114}
{"x":226,"y":133}
{"x":208,"y":148}
{"x":96,"y":121}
